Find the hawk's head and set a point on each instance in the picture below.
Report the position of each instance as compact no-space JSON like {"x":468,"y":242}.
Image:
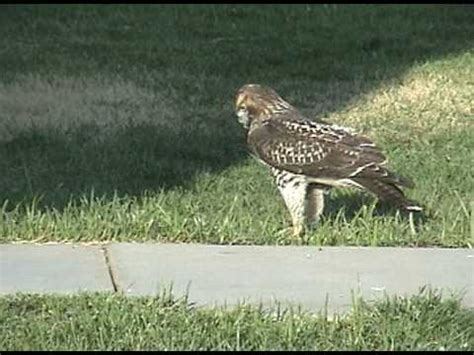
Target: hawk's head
{"x":253,"y":101}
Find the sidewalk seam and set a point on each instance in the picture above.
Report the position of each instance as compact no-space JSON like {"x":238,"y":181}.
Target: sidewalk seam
{"x":108,"y":263}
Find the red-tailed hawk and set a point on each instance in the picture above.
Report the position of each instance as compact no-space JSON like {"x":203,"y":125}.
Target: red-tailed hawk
{"x":307,"y":157}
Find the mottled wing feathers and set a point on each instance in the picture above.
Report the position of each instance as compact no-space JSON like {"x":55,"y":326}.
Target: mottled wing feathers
{"x":274,"y":144}
{"x":318,"y":150}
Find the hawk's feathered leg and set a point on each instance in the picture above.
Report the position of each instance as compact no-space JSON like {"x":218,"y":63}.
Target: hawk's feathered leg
{"x":315,"y":203}
{"x":293,"y":189}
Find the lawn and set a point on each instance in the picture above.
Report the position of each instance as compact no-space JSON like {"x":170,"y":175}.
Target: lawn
{"x":116,"y":121}
{"x":116,"y":322}
{"x":117,"y":124}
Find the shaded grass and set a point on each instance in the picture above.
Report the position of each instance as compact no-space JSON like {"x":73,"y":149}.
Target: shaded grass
{"x":115,"y":322}
{"x":127,"y":39}
{"x":116,"y":121}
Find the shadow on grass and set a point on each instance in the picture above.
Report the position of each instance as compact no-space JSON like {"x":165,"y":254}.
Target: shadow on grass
{"x":130,"y":161}
{"x":318,"y":57}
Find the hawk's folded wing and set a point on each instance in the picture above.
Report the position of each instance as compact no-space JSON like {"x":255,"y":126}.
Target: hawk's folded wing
{"x":319,"y":150}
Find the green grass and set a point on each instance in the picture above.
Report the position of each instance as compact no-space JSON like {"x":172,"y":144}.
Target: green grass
{"x":116,"y":121}
{"x":115,"y":322}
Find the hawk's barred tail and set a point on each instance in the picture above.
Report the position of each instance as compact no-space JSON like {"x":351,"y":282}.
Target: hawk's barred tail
{"x":390,"y":193}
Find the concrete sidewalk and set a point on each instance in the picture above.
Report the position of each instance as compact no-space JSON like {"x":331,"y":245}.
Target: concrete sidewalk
{"x":210,"y":274}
